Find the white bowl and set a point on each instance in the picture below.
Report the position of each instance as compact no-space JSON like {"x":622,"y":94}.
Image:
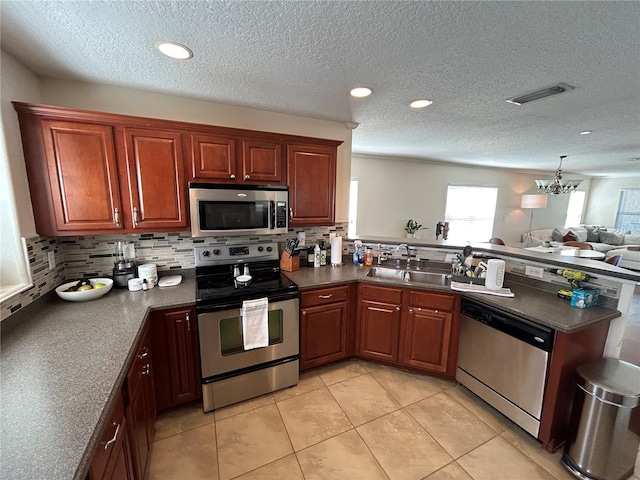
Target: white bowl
{"x":85,"y":295}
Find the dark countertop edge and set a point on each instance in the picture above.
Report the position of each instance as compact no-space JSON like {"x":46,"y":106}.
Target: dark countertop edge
{"x":500,"y":251}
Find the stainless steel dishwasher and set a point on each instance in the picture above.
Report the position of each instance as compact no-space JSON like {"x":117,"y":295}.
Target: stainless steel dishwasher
{"x":504,"y":360}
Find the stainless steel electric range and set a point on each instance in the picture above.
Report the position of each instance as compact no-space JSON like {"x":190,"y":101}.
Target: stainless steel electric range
{"x":226,"y":276}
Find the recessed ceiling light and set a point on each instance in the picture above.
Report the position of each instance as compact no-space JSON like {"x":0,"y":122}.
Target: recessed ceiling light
{"x":586,"y":132}
{"x":420,"y":103}
{"x":361,"y":92}
{"x":174,"y":50}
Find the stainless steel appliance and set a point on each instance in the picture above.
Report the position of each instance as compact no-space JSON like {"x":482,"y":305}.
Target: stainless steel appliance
{"x":504,"y":360}
{"x":237,"y":210}
{"x":124,"y":267}
{"x":230,"y":373}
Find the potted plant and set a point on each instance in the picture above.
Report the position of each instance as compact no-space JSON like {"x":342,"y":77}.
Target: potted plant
{"x":412,"y":227}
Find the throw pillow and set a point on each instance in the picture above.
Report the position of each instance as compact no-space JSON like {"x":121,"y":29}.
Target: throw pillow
{"x":569,"y":237}
{"x":632,"y":239}
{"x":558,"y":234}
{"x":611,"y":238}
{"x":593,"y":234}
{"x":580,"y":233}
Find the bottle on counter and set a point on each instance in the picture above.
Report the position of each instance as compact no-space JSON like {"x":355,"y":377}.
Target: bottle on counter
{"x":368,"y":257}
{"x":316,"y":256}
{"x":323,"y":253}
{"x":311,"y":256}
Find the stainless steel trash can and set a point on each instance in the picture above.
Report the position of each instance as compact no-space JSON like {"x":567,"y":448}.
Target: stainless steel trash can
{"x":601,"y":444}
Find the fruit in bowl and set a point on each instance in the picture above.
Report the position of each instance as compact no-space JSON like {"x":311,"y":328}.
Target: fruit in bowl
{"x":84,"y":290}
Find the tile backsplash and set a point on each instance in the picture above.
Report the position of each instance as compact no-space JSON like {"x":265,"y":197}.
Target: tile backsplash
{"x":89,"y":256}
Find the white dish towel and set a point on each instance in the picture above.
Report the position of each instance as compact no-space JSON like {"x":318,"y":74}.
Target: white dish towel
{"x":255,"y":323}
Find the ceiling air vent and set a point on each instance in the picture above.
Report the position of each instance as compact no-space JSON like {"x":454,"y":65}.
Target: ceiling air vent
{"x":547,"y":92}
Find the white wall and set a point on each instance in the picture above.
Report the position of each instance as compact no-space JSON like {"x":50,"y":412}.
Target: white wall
{"x":604,"y":195}
{"x":393,"y":190}
{"x":136,"y":102}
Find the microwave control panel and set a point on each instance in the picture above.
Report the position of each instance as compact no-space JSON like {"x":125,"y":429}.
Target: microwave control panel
{"x":281,"y":214}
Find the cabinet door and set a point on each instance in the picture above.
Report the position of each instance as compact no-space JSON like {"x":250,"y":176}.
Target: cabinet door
{"x":323,"y":334}
{"x":155,"y":171}
{"x":83,"y":177}
{"x":379,"y":330}
{"x":213,"y":157}
{"x":175,"y":358}
{"x":140,"y":408}
{"x":311,"y":177}
{"x":262,"y":162}
{"x":427,"y":339}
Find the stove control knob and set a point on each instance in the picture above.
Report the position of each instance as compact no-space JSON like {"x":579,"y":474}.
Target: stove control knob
{"x":206,"y":253}
{"x":269,"y":249}
{"x":217,"y":252}
{"x":260,"y":249}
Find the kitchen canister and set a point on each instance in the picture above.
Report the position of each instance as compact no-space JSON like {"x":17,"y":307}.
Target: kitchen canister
{"x":134,"y":284}
{"x":495,"y":274}
{"x":148,"y":272}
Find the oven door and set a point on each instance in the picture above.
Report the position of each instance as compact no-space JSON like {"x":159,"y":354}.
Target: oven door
{"x":221,"y":342}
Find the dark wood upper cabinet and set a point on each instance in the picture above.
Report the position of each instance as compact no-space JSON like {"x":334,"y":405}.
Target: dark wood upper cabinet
{"x":311,"y":177}
{"x":73,"y":177}
{"x":103,"y":173}
{"x":155,"y":175}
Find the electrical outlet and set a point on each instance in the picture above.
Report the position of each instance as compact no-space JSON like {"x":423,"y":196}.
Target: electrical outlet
{"x":449,"y":257}
{"x":52,"y":259}
{"x":536,"y":272}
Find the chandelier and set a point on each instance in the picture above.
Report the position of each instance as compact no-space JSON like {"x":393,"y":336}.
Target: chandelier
{"x":556,"y":185}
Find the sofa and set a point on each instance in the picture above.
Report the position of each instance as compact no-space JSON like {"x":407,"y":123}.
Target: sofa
{"x":607,"y":240}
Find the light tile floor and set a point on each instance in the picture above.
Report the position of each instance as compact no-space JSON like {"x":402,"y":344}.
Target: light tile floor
{"x":355,"y":421}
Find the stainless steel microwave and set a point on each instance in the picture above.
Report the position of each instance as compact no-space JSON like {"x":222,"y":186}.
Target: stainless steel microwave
{"x":218,"y":210}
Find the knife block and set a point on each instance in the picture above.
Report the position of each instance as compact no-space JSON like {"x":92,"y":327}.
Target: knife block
{"x":289,"y":263}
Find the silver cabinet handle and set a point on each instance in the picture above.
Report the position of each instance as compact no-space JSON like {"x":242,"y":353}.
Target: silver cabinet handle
{"x":411,"y":310}
{"x":188,"y":323}
{"x":437,"y":311}
{"x":135,"y":216}
{"x":146,"y":369}
{"x":115,"y":436}
{"x":116,"y":216}
{"x":326,"y":296}
{"x":233,"y":175}
{"x":247,"y":177}
{"x":304,"y":312}
{"x":142,"y":355}
{"x":397,"y":309}
{"x":291,"y":214}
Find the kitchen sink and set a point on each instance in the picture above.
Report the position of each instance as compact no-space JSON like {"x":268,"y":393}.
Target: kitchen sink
{"x":409,"y":276}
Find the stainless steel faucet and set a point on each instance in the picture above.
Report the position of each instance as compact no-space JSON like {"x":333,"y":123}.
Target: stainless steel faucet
{"x":404,"y":245}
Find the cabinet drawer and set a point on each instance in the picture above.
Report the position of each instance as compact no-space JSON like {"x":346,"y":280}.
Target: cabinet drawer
{"x":112,"y":432}
{"x":381,"y":294}
{"x":323,"y":296}
{"x":434,"y":301}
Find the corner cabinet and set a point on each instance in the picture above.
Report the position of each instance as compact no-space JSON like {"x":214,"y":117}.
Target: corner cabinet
{"x":311,"y":177}
{"x":176,"y":358}
{"x":324,"y":326}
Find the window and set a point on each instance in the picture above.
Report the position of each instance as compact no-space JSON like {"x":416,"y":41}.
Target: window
{"x":353,"y":208}
{"x":628,"y":214}
{"x":470,"y":211}
{"x":574,"y":210}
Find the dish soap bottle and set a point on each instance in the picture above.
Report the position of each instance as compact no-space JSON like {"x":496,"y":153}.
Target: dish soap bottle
{"x":368,"y":258}
{"x":316,"y":256}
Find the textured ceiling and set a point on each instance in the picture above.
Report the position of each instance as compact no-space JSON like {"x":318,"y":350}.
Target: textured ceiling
{"x":302,"y":58}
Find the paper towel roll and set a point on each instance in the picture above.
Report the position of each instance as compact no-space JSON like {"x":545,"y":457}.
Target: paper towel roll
{"x":336,"y":250}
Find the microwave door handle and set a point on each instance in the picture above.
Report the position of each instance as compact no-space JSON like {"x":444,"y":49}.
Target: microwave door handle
{"x":272,"y":208}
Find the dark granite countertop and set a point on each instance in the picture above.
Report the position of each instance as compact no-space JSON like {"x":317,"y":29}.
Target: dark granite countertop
{"x":63,"y":363}
{"x":62,"y":366}
{"x":530,"y":303}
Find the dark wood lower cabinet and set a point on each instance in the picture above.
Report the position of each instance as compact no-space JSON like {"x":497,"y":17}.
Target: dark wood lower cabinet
{"x":112,"y":460}
{"x":176,"y":357}
{"x":379,"y":331}
{"x":140,"y":405}
{"x":324,"y":324}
